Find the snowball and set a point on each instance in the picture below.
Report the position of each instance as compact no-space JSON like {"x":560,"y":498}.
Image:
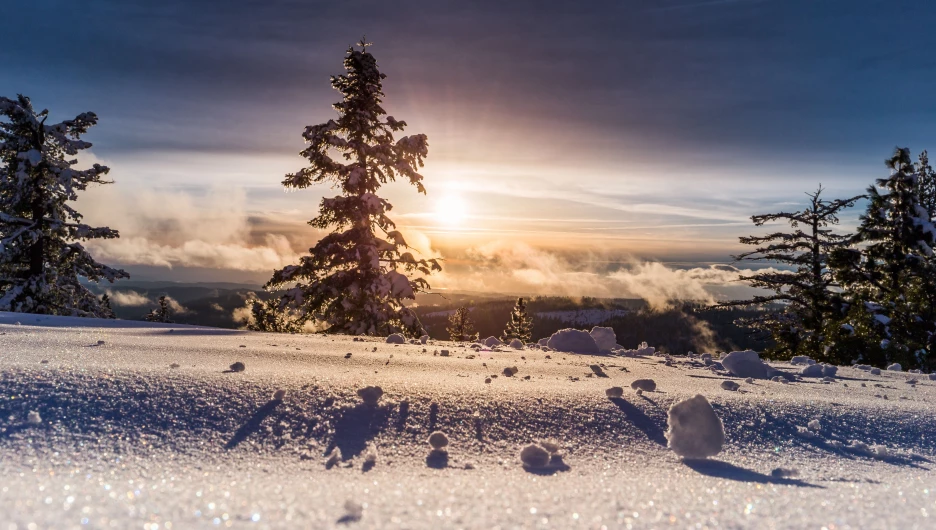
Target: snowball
{"x":694,"y":429}
{"x":814,"y":425}
{"x":730,"y":385}
{"x":614,"y":392}
{"x":749,"y":380}
{"x":238,"y":367}
{"x":424,"y":339}
{"x":746,"y":364}
{"x":370,"y":395}
{"x":279,"y":395}
{"x":875,"y":371}
{"x":516,"y":344}
{"x":491,"y":342}
{"x":510,"y":371}
{"x":438,"y":440}
{"x":604,"y":338}
{"x":550,"y":445}
{"x":33,"y":418}
{"x":396,"y":338}
{"x":534,"y":456}
{"x":895,"y":367}
{"x":814,"y":370}
{"x":647,"y":385}
{"x":572,"y":341}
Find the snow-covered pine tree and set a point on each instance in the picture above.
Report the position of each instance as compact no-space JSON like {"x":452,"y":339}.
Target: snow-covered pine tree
{"x":808,"y":291}
{"x":890,"y":273}
{"x":461,"y":327}
{"x":163,"y":313}
{"x":926,"y":185}
{"x":266,"y":315}
{"x":520,"y":325}
{"x":106,"y":310}
{"x":41,"y":257}
{"x":355,"y":279}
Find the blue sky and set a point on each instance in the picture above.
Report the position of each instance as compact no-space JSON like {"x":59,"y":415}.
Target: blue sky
{"x":596,"y":131}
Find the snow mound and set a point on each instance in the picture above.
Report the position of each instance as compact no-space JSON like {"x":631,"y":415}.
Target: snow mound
{"x":543,"y":341}
{"x":730,"y":385}
{"x":604,"y":338}
{"x":573,"y":341}
{"x":747,"y":364}
{"x":875,"y":371}
{"x":813,"y":370}
{"x":614,"y":392}
{"x":695,"y":431}
{"x":800,"y":359}
{"x":491,"y":342}
{"x":396,"y":338}
{"x":895,"y":367}
{"x":516,"y":344}
{"x":829,"y":371}
{"x":423,"y":339}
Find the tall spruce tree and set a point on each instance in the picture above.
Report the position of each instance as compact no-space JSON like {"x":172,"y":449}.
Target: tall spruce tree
{"x":808,"y":292}
{"x":520,"y":325}
{"x":162,"y":313}
{"x":355,"y":279}
{"x":460,"y":326}
{"x":41,"y":257}
{"x":926,"y":185}
{"x":889,"y":274}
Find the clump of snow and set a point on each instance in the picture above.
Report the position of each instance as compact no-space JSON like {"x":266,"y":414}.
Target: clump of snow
{"x":604,"y":338}
{"x":646,"y":385}
{"x":746,"y":364}
{"x":864,"y":367}
{"x":730,"y":385}
{"x":333,"y":458}
{"x":238,"y":367}
{"x":491,"y":342}
{"x":814,"y":425}
{"x":370,"y":458}
{"x":510,"y":371}
{"x":695,"y":431}
{"x":782,"y":472}
{"x":932,"y":377}
{"x":550,"y":445}
{"x":396,"y":338}
{"x":749,"y":380}
{"x":543,"y":341}
{"x":353,"y":512}
{"x":444,"y":353}
{"x":814,"y":370}
{"x":370,"y":395}
{"x":279,"y":395}
{"x":875,"y":371}
{"x":572,"y":341}
{"x":33,"y":418}
{"x":895,"y":367}
{"x":829,"y":371}
{"x":516,"y":344}
{"x":423,"y":339}
{"x":881,"y":452}
{"x":438,"y":440}
{"x":614,"y":392}
{"x":800,"y":359}
{"x":534,"y":456}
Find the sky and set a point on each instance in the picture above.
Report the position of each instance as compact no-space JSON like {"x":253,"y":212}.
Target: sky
{"x":568,"y":141}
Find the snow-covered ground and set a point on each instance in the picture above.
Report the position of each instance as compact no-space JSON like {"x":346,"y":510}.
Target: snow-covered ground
{"x":144,"y":425}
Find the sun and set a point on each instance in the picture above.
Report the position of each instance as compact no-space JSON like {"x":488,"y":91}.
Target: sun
{"x":451,"y":210}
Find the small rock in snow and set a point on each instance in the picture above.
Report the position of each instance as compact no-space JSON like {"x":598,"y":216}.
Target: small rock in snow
{"x":100,"y":343}
{"x":614,"y":392}
{"x":174,"y":365}
{"x":730,"y":385}
{"x":238,"y":367}
{"x":444,"y":353}
{"x":279,"y":395}
{"x":647,"y":385}
{"x":438,"y":440}
{"x":695,"y":431}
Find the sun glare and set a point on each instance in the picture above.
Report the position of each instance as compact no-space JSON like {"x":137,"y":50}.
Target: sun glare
{"x":451,"y":211}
